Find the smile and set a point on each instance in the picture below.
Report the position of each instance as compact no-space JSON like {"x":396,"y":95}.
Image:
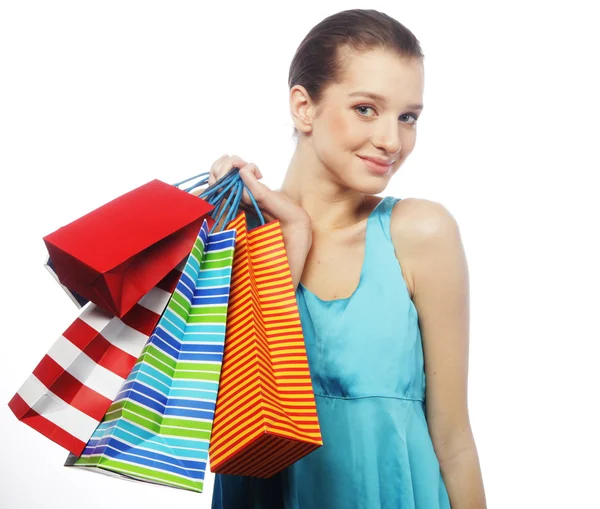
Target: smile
{"x":378,"y":169}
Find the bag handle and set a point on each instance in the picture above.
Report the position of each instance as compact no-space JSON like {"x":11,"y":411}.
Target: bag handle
{"x":232,"y":204}
{"x":226,"y":192}
{"x":238,"y":199}
{"x":202,"y":182}
{"x":227,"y":206}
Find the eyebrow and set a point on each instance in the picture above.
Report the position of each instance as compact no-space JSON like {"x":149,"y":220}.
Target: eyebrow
{"x":381,"y":99}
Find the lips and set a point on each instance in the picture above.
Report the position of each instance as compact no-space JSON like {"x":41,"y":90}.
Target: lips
{"x":377,"y":160}
{"x":376,"y":167}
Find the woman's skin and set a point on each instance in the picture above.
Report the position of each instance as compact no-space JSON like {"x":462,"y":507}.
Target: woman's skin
{"x":323,"y":206}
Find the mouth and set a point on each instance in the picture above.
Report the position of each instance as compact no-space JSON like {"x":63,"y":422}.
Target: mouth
{"x":377,"y":168}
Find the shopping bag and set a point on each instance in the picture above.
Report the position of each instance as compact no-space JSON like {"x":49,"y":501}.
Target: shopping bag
{"x":266,"y":416}
{"x":115,"y":254}
{"x":77,"y":299}
{"x":71,"y":388}
{"x":158,"y":428}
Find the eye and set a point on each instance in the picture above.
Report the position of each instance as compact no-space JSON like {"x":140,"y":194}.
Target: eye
{"x":363,"y":107}
{"x":415,"y":117}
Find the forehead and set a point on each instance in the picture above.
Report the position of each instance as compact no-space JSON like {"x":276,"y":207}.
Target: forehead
{"x":382,"y":72}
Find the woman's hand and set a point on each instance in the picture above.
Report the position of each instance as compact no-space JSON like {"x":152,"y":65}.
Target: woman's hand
{"x":295,"y":222}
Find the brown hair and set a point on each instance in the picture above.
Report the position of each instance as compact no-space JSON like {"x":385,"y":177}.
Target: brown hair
{"x":317,"y":63}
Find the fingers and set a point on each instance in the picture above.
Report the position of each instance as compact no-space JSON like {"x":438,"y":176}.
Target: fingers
{"x":250,"y":175}
{"x":273,"y":204}
{"x":224,"y":165}
{"x":216,"y":170}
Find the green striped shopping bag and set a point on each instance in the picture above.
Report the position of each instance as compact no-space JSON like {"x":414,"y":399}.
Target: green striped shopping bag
{"x":158,"y":428}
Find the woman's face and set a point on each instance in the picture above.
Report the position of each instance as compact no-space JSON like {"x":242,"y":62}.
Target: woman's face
{"x":349,"y":125}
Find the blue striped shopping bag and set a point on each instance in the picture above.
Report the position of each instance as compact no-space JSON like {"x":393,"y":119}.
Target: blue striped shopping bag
{"x":158,"y":428}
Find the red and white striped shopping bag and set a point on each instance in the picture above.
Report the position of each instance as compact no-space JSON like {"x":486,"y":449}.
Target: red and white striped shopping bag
{"x":69,"y":391}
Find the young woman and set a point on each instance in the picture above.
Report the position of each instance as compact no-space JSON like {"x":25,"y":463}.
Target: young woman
{"x":382,"y":286}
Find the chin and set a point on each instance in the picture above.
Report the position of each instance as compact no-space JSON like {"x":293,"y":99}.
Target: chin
{"x":375,"y":187}
{"x":367,"y":181}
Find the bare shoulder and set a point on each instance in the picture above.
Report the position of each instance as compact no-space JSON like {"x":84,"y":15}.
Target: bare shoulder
{"x":421,"y":228}
{"x":422,"y":219}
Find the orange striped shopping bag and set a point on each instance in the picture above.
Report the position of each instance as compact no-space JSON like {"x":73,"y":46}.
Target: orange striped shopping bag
{"x":266,"y":417}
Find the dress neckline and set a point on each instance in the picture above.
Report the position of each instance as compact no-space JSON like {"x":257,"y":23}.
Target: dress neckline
{"x":362,"y":269}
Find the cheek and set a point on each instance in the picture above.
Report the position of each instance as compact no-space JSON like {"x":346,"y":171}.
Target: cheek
{"x":343,"y":128}
{"x":337,"y":126}
{"x":410,"y":139}
{"x":339,"y":137}
{"x":408,"y":144}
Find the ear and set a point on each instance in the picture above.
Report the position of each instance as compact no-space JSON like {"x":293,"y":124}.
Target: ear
{"x":302,"y":109}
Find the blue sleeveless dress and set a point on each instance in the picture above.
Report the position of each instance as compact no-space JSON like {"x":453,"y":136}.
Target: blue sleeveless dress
{"x":366,"y":363}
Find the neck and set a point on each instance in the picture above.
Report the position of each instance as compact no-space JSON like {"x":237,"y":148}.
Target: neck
{"x":311,"y":185}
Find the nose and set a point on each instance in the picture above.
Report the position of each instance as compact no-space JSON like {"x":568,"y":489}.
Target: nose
{"x":387,"y":137}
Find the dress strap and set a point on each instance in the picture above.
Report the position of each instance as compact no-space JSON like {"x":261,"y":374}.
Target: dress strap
{"x":380,"y":256}
{"x":380,"y":220}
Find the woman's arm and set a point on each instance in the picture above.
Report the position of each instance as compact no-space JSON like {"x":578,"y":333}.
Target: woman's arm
{"x":427,"y":239}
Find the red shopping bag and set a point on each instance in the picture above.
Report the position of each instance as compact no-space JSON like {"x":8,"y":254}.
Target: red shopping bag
{"x":115,"y":254}
{"x":72,"y":387}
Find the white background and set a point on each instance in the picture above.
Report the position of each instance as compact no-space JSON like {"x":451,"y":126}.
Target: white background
{"x":97,"y":98}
